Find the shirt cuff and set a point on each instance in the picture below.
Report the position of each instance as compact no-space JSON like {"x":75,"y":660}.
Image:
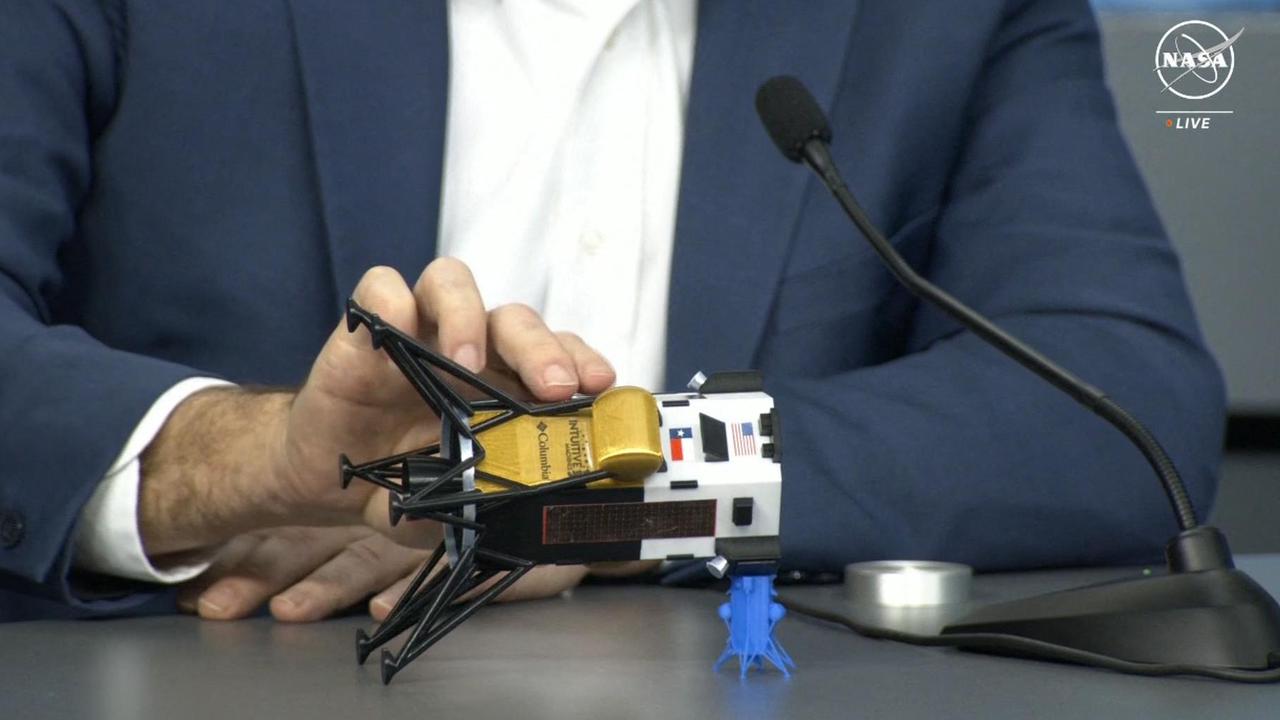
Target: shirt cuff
{"x":107,"y":538}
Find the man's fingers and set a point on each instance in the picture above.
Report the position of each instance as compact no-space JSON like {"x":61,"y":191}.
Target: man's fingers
{"x":279,"y":560}
{"x":542,"y":581}
{"x":348,"y":367}
{"x":380,"y":605}
{"x":362,"y":568}
{"x":449,"y":299}
{"x":552,"y":366}
{"x":383,"y":291}
{"x":518,"y":335}
{"x":595,"y":374}
{"x":228,"y":557}
{"x":545,"y":581}
{"x":623,"y":568}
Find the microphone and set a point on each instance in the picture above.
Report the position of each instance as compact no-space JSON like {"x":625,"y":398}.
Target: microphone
{"x":797,"y":125}
{"x":791,"y":116}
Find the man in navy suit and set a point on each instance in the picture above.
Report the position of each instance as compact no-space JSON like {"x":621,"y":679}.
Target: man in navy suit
{"x":192,"y":189}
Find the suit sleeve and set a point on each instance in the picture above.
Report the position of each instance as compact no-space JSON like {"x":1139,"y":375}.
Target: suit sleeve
{"x":67,"y":402}
{"x":953,"y":451}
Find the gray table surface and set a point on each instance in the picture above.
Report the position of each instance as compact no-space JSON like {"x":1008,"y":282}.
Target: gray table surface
{"x":600,"y":652}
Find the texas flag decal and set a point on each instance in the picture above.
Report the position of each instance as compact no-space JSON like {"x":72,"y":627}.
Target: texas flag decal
{"x":678,"y":436}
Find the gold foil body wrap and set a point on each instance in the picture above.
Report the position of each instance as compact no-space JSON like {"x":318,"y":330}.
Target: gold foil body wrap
{"x":625,"y":434}
{"x":619,"y":434}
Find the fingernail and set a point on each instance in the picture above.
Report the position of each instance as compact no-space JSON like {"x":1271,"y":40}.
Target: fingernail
{"x":468,"y":356}
{"x":384,"y":603}
{"x":218,"y":600}
{"x":558,"y":376}
{"x":600,"y":369}
{"x":296,"y":600}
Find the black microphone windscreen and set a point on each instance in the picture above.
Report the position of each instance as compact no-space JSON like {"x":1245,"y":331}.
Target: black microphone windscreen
{"x":791,"y":115}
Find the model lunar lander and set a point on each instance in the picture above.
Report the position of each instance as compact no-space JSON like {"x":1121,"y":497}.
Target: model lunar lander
{"x":625,"y":475}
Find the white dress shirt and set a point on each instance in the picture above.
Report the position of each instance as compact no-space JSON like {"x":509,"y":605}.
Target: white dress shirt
{"x":562,"y":170}
{"x":562,"y":163}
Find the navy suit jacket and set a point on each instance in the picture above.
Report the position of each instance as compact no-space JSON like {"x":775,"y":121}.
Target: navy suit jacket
{"x":192,"y":187}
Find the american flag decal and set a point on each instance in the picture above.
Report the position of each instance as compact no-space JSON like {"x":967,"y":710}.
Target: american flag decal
{"x":744,"y":439}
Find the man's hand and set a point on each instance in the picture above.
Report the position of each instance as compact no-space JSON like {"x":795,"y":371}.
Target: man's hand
{"x":230,"y":462}
{"x":308,"y":574}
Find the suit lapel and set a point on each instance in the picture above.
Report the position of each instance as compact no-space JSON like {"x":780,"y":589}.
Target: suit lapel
{"x":739,"y":198}
{"x":375,"y":76}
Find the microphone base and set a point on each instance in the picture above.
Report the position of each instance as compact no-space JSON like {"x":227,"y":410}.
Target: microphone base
{"x":1216,"y":618}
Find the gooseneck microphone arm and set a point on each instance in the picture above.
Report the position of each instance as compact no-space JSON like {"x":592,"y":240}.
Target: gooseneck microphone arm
{"x":800,"y":129}
{"x":817,"y":156}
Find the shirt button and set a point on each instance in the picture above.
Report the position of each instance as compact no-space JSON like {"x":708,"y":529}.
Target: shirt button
{"x":12,"y":528}
{"x":592,"y":241}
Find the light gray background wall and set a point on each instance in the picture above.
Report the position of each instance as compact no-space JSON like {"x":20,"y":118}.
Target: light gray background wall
{"x":1218,"y":190}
